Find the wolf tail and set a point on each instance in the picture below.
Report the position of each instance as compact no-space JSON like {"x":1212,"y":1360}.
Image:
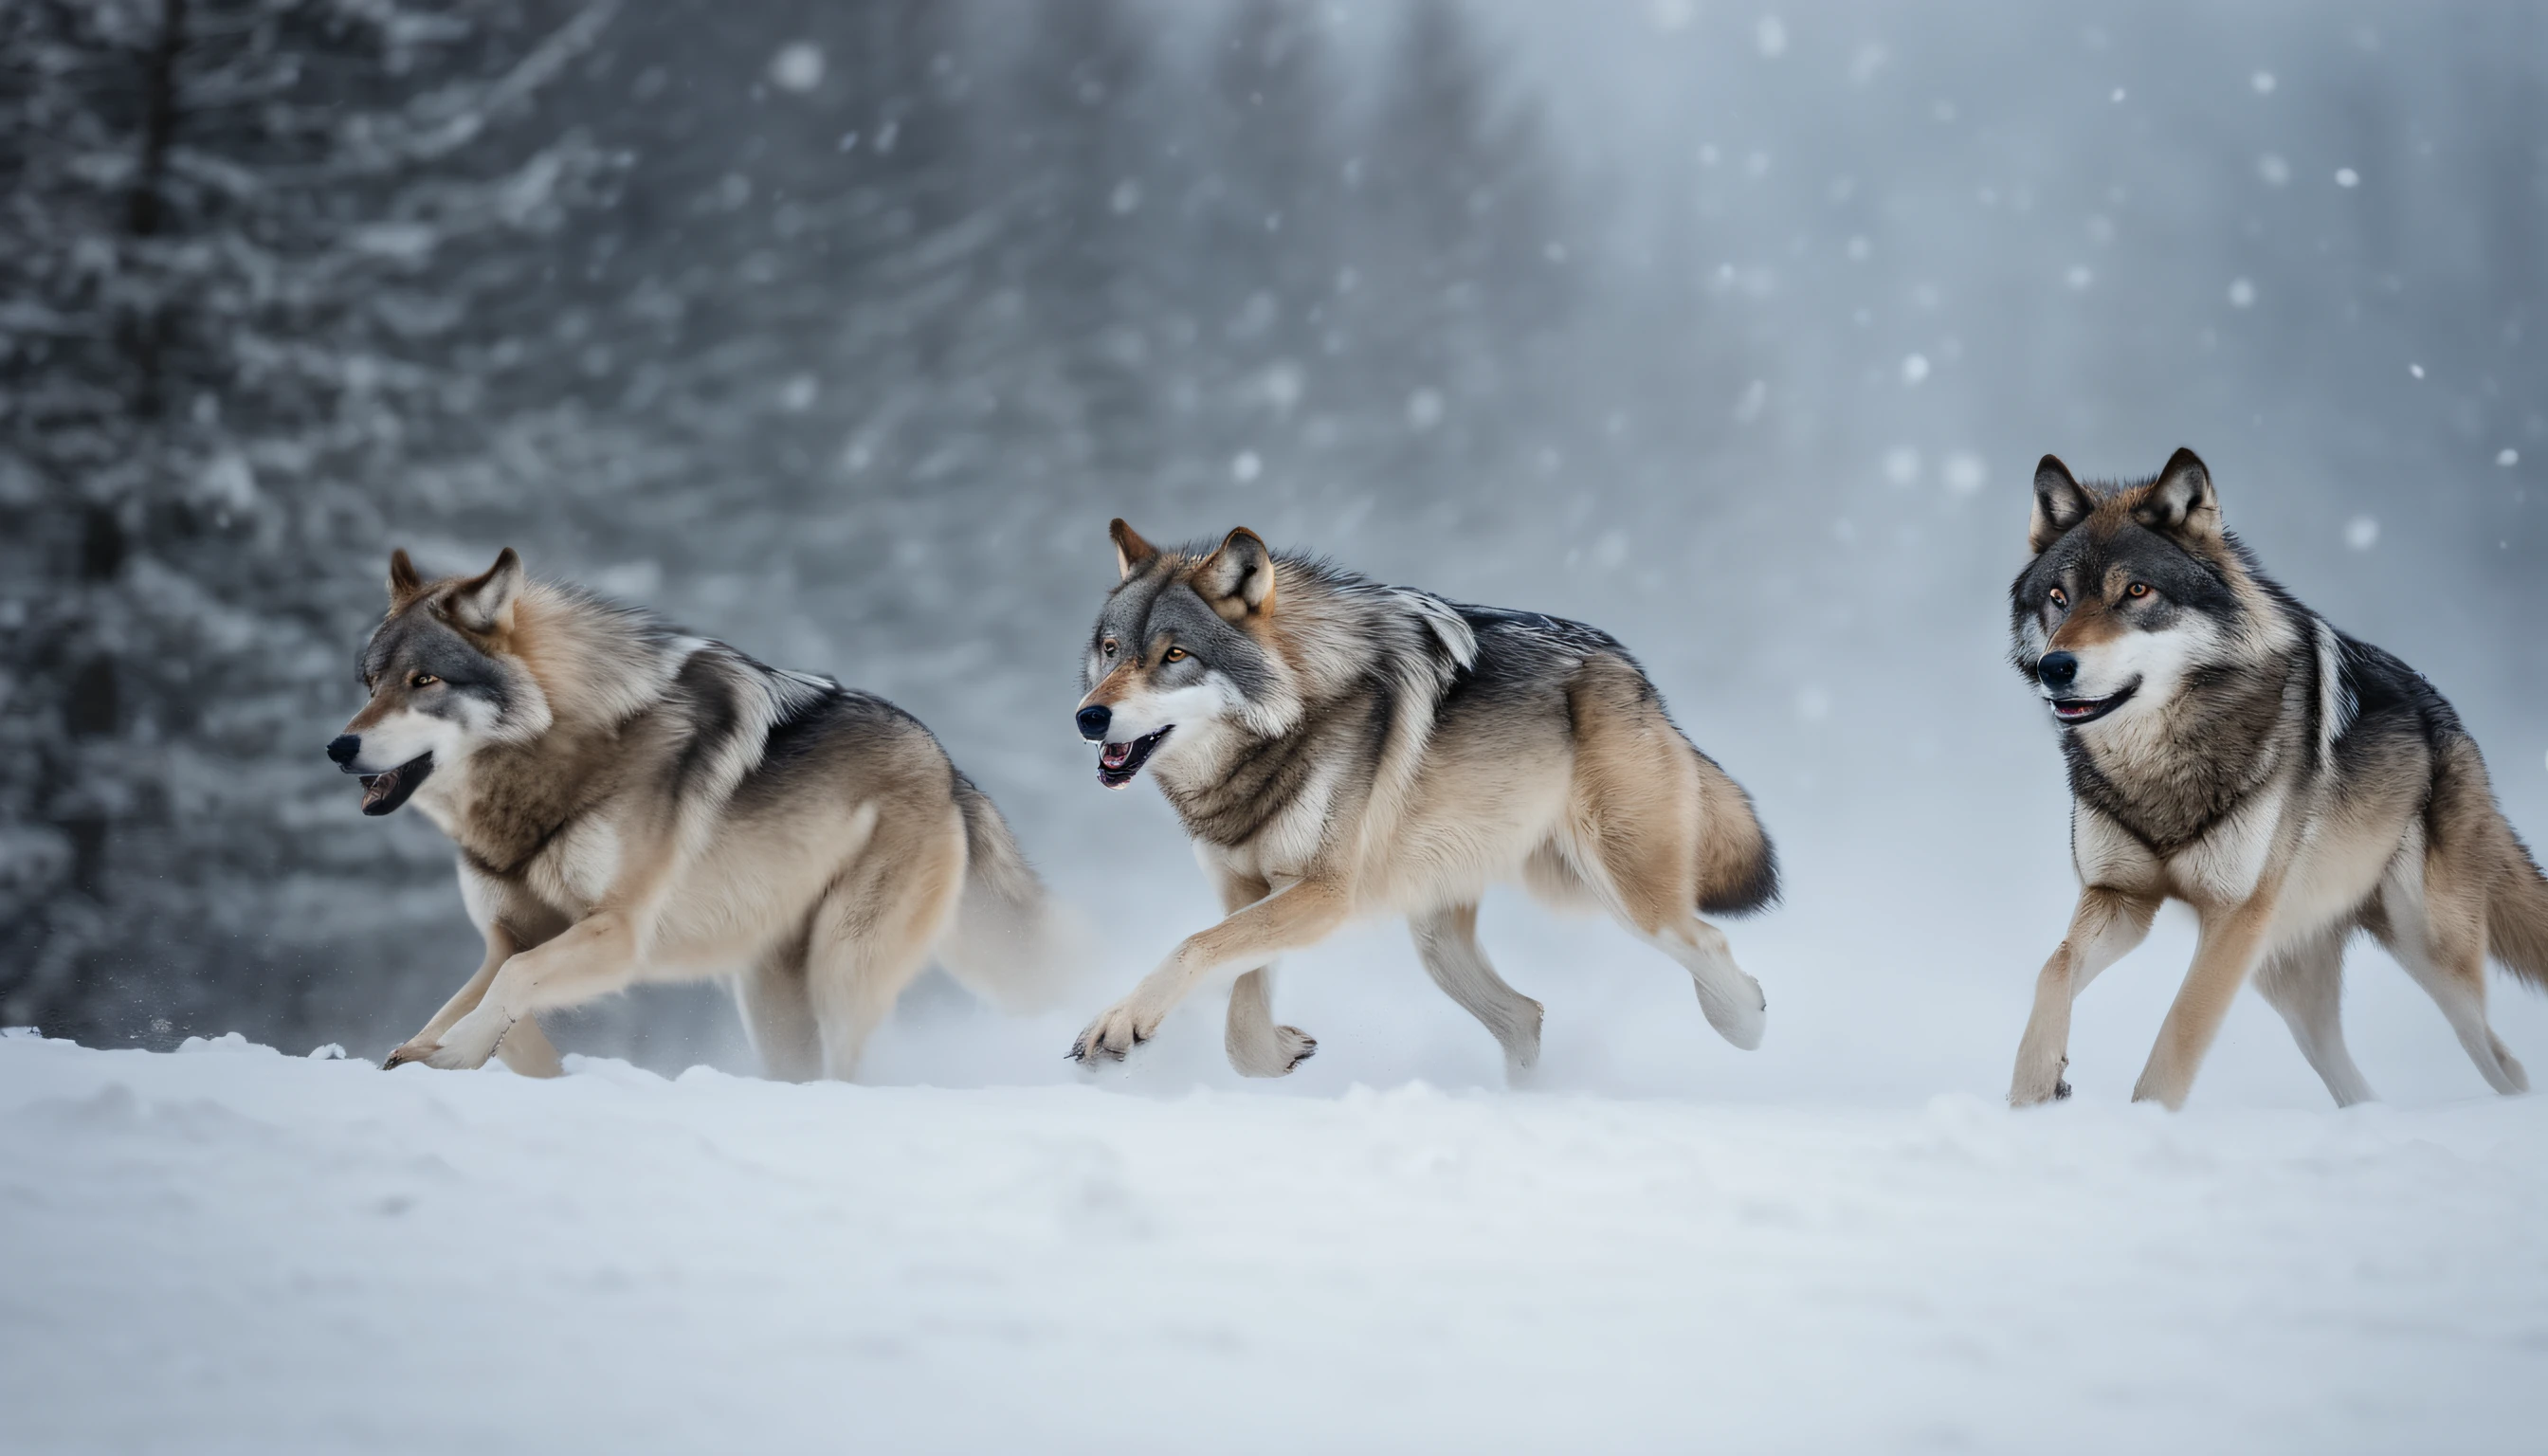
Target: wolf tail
{"x":1738,"y":866}
{"x":2517,"y":914}
{"x":1010,"y":944}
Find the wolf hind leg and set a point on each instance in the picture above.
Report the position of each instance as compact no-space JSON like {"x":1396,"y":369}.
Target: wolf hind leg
{"x":778,"y":1009}
{"x":2440,"y":937}
{"x":1650,"y":896}
{"x":1730,"y":997}
{"x":856,"y":968}
{"x":1446,"y":940}
{"x":2305,"y":984}
{"x":1634,"y":837}
{"x":871,"y":937}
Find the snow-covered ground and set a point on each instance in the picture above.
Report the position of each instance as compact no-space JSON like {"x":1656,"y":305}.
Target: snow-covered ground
{"x":233,"y":1249}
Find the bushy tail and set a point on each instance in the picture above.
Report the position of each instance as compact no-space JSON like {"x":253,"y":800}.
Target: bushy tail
{"x":1738,"y":866}
{"x":2517,"y":914}
{"x":1010,"y":944}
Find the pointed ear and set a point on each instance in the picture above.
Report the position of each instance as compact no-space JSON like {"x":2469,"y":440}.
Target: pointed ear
{"x":485,"y":603}
{"x":1132,"y":553}
{"x":2060,"y":503}
{"x":1237,"y":579}
{"x":2181,"y":501}
{"x":405,"y":581}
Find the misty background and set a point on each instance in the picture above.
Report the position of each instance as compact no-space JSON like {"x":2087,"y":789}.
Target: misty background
{"x":839,"y":330}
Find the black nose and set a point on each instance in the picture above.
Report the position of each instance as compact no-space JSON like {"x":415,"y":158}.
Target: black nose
{"x":344,"y":748}
{"x":1093,"y":720}
{"x":2058,"y":669}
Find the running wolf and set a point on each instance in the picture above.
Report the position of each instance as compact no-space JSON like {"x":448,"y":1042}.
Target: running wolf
{"x":1340,"y":747}
{"x":2230,"y":749}
{"x":632,"y":803}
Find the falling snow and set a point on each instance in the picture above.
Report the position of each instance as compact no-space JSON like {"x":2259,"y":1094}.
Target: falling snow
{"x":798,"y":66}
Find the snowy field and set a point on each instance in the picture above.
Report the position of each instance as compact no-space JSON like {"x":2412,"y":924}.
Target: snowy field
{"x":248,"y":1251}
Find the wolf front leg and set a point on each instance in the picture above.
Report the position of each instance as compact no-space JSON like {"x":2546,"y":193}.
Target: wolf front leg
{"x":2232,"y":944}
{"x":2104,"y":928}
{"x":499,"y":948}
{"x":525,"y":1049}
{"x":1295,"y":917}
{"x":1258,"y":1045}
{"x":593,"y":956}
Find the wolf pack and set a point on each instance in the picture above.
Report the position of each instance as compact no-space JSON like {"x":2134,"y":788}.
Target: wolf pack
{"x":631,"y":803}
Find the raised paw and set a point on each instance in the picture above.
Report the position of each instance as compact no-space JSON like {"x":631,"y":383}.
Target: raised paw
{"x":1299,"y":1045}
{"x":1112,"y":1037}
{"x":1739,"y":1011}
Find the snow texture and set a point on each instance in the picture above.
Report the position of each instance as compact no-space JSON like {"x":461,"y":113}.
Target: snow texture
{"x":248,"y":1251}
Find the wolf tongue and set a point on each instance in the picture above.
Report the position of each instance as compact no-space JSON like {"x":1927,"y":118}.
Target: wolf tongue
{"x":1114,"y":754}
{"x":378,"y":786}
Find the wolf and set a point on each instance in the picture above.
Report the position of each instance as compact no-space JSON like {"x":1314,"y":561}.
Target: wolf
{"x":2231,"y":749}
{"x":630,"y":802}
{"x":1337,"y":748}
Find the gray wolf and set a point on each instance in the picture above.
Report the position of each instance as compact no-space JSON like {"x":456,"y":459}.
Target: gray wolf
{"x":1337,"y":748}
{"x":633,"y":803}
{"x":2230,"y":749}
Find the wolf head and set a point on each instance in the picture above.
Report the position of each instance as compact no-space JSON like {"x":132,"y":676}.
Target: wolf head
{"x":1184,"y":653}
{"x":2133,"y":590}
{"x":445,"y":678}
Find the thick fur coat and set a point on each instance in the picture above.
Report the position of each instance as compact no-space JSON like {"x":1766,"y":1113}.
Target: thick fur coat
{"x":2229,"y":748}
{"x":1337,"y":748}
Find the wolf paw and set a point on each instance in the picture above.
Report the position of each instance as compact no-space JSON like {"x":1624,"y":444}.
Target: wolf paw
{"x":2039,"y":1079}
{"x":1285,"y":1048}
{"x":2037,"y":1094}
{"x":469,"y":1043}
{"x":1738,"y":1012}
{"x":1112,"y":1037}
{"x":1297,"y":1045}
{"x":410,"y":1051}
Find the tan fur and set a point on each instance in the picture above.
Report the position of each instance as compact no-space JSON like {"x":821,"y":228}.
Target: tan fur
{"x":1306,"y":818}
{"x":613,"y":831}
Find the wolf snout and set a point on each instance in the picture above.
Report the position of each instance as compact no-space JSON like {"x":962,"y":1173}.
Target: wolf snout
{"x":345,"y":748}
{"x":1093,"y":720}
{"x":2058,"y":670}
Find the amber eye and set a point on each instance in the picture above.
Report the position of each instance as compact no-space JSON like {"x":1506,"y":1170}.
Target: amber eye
{"x":1110,"y":646}
{"x":2136,"y":591}
{"x":2061,"y":597}
{"x":1175,"y":655}
{"x":422,"y":679}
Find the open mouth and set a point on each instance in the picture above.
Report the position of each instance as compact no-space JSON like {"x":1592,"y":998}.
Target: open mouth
{"x":384,"y":792}
{"x":1117,"y":762}
{"x":2075,"y":711}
